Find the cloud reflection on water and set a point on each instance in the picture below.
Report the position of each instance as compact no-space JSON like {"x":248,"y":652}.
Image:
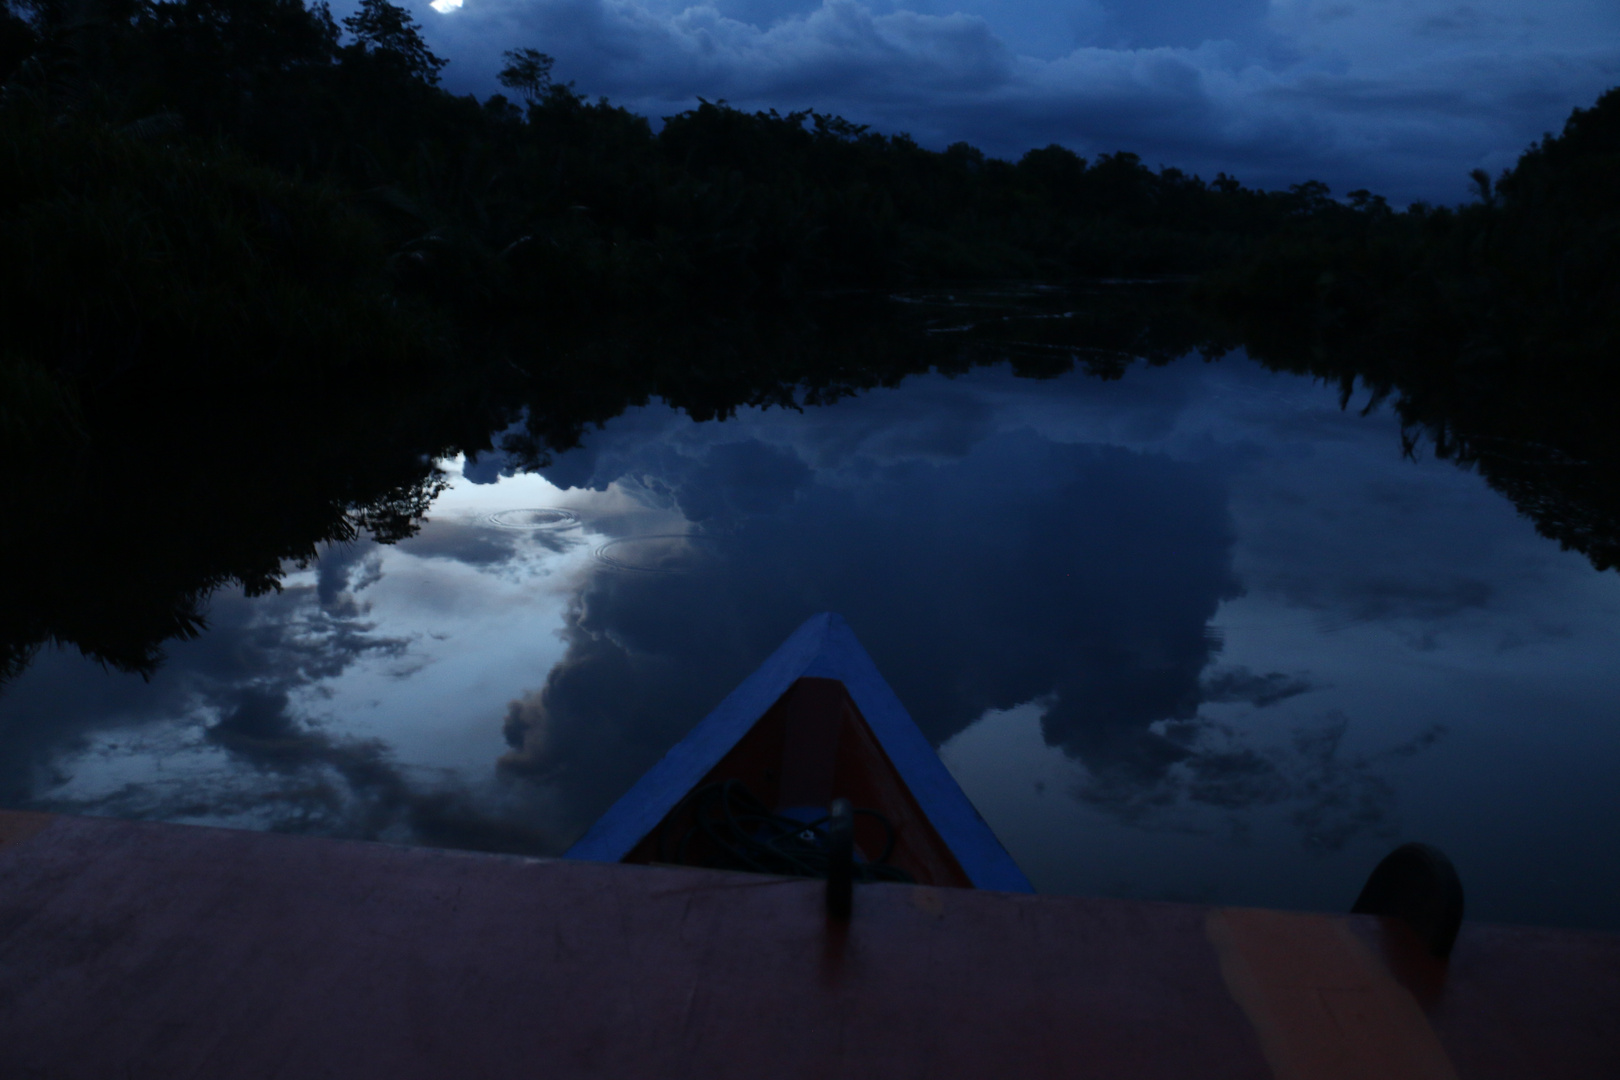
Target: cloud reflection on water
{"x":1230,"y":620}
{"x":1084,"y":574}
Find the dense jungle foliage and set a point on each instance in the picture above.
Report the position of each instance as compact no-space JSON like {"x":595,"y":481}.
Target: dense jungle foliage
{"x":562,"y":198}
{"x":1495,"y":326}
{"x":273,"y":271}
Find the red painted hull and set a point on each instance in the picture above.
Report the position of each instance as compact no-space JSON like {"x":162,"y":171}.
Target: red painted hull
{"x":811,"y":747}
{"x":816,"y":722}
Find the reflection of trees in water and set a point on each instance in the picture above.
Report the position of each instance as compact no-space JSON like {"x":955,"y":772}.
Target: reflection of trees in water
{"x":1495,"y":327}
{"x":220,"y":423}
{"x":240,"y":490}
{"x":1544,"y":439}
{"x":208,"y":373}
{"x":205,"y":489}
{"x":212,"y":376}
{"x":204,"y":341}
{"x":214,"y":418}
{"x":212,"y":368}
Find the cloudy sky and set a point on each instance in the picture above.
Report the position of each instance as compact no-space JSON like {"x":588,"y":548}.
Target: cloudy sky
{"x":1403,"y":96}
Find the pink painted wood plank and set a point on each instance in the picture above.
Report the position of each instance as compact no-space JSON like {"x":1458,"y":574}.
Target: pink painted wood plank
{"x":134,"y":950}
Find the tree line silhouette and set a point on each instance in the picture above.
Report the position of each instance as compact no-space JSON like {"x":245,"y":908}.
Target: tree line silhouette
{"x":718,"y":200}
{"x":274,"y":271}
{"x":1494,"y":326}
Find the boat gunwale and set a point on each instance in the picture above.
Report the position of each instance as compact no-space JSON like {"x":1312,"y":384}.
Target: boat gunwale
{"x":822,"y":647}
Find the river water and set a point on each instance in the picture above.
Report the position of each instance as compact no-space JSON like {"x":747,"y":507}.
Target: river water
{"x":1197,"y":633}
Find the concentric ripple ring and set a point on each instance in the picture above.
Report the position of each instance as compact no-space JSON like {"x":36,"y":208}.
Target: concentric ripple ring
{"x":656,"y":553}
{"x":549,"y":518}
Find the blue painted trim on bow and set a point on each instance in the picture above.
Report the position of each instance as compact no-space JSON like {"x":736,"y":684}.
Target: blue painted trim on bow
{"x":824,"y":647}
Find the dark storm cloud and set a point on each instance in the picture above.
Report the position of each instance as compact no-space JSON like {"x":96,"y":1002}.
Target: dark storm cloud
{"x":764,"y":12}
{"x":343,"y":571}
{"x":742,"y":478}
{"x":1241,"y":684}
{"x":1425,"y":597}
{"x":486,"y":468}
{"x":489,"y":466}
{"x":1185,"y":23}
{"x":981,"y":571}
{"x":470,"y":544}
{"x":928,"y":420}
{"x":1344,"y":798}
{"x":252,"y":647}
{"x":1386,"y":598}
{"x":599,"y":460}
{"x":1275,"y":93}
{"x":352,"y":787}
{"x":1381,"y":566}
{"x":1027,"y":569}
{"x":1335,"y":797}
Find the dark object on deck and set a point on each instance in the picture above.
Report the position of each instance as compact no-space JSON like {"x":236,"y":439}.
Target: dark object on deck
{"x":815,"y":723}
{"x":1417,"y":883}
{"x":728,"y":828}
{"x":840,"y":859}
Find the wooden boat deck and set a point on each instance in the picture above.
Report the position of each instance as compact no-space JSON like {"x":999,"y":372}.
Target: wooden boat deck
{"x":138,"y":950}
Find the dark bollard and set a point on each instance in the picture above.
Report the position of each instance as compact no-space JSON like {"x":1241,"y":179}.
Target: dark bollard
{"x":840,"y":860}
{"x":1417,"y":883}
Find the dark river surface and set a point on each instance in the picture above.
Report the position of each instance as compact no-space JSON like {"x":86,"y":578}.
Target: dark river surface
{"x":1194,"y":634}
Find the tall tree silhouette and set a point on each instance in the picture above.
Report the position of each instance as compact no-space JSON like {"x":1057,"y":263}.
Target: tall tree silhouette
{"x":386,"y":32}
{"x":527,"y":71}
